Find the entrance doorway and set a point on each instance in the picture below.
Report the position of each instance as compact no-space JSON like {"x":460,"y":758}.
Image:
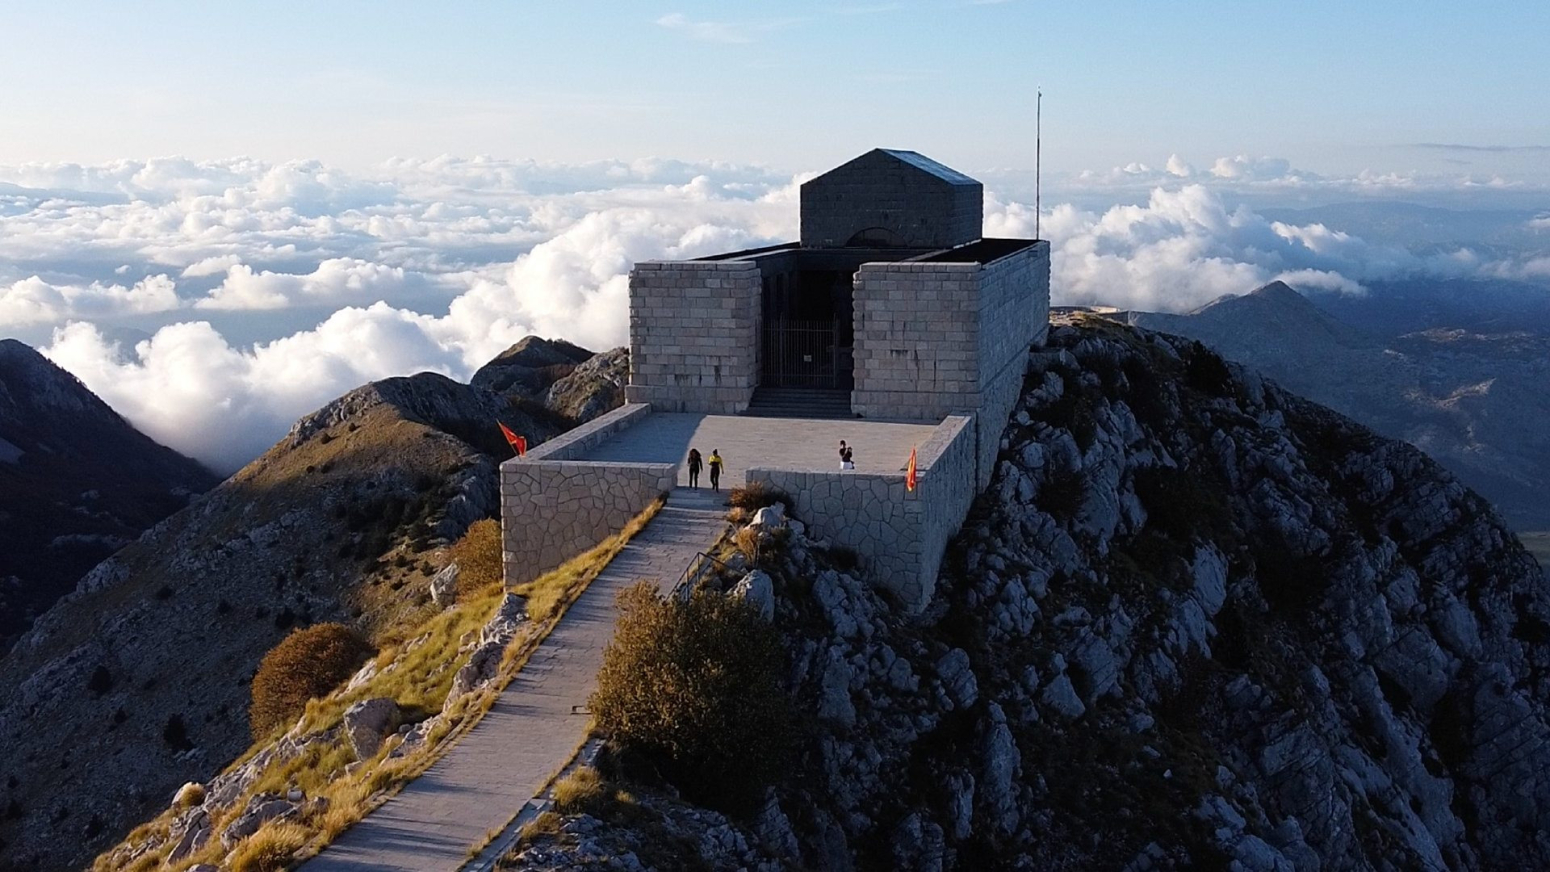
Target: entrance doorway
{"x":809,"y":337}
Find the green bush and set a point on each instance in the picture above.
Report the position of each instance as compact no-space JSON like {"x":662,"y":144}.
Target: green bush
{"x":306,"y":664}
{"x":697,"y":686}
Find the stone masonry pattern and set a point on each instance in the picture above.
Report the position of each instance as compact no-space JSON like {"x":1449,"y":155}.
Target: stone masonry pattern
{"x":554,"y":507}
{"x":879,"y":191}
{"x":694,"y":335}
{"x":900,"y":536}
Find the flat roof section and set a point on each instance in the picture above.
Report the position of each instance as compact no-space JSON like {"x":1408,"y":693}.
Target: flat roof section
{"x":979,"y":251}
{"x":787,"y":443}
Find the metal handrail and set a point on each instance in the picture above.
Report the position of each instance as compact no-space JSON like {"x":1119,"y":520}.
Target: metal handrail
{"x":693,"y":572}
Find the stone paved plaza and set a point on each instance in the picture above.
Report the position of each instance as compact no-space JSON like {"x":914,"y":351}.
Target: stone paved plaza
{"x":796,"y":443}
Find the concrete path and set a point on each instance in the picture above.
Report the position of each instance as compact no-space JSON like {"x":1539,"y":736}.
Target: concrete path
{"x":534,"y":727}
{"x":801,"y":443}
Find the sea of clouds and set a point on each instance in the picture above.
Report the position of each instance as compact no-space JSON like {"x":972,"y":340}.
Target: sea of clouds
{"x":336,"y":279}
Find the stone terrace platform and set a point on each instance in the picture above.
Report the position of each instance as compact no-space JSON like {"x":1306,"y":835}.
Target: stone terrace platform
{"x":745,"y":443}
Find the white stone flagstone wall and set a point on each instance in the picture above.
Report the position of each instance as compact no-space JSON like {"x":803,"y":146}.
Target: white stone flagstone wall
{"x":554,"y":507}
{"x":899,"y":536}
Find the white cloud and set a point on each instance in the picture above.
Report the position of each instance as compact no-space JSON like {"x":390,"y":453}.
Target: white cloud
{"x":35,"y":301}
{"x":336,"y":280}
{"x":441,"y":263}
{"x":714,"y":31}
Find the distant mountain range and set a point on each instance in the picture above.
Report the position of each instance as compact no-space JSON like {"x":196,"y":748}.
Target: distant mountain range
{"x":334,"y":523}
{"x":77,"y":482}
{"x":1474,"y":397}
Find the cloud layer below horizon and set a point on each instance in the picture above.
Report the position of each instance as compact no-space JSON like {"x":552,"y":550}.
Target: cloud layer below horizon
{"x":440,"y":264}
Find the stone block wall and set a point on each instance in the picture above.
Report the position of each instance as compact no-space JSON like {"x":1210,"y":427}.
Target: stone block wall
{"x":554,"y":507}
{"x":1014,"y":316}
{"x":694,"y":335}
{"x":942,"y":338}
{"x":899,"y":535}
{"x":917,"y":329}
{"x":913,"y":208}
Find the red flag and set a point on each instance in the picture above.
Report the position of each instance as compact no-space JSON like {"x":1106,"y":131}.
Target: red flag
{"x":518,"y":443}
{"x":910,"y":477}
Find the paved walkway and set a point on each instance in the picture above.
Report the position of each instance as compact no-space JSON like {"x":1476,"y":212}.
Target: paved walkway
{"x":535,"y":724}
{"x":801,"y":443}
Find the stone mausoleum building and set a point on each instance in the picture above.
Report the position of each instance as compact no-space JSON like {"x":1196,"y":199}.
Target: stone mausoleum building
{"x":892,"y":307}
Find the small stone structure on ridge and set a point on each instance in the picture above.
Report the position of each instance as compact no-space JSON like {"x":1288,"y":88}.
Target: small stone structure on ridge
{"x":891,"y":307}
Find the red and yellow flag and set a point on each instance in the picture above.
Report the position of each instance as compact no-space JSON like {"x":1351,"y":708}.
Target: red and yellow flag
{"x":518,"y":443}
{"x":911,"y":478}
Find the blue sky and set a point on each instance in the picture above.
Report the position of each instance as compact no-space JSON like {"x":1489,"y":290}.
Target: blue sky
{"x":220,"y":216}
{"x":1336,"y":87}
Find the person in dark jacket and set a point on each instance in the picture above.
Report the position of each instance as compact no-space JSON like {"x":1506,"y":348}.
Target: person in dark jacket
{"x":694,"y":467}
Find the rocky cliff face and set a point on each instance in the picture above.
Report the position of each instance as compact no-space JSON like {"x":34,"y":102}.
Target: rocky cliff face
{"x":1195,"y":621}
{"x":1475,"y":401}
{"x":138,"y":680}
{"x":77,"y":483}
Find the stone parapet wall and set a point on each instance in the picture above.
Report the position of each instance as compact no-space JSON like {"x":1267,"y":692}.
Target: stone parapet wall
{"x":900,"y":536}
{"x":576,"y":442}
{"x":1013,"y":309}
{"x":554,"y":510}
{"x":694,"y":335}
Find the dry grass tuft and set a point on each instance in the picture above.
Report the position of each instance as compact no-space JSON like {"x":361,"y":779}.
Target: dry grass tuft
{"x":270,"y":849}
{"x":579,"y":791}
{"x":755,"y":496}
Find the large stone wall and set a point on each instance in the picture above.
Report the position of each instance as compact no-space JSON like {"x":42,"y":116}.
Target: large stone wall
{"x":1014,"y":316}
{"x":694,"y":335}
{"x":554,"y":507}
{"x":899,"y":535}
{"x":917,"y":327}
{"x":941,"y":338}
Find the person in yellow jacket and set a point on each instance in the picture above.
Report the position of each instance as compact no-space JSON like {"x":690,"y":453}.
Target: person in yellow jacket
{"x":715,"y":462}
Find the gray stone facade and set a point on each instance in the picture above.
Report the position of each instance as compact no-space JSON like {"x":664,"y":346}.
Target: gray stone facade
{"x":899,"y":535}
{"x":938,"y":338}
{"x":891,"y":298}
{"x":694,"y":335}
{"x":554,"y":507}
{"x":892,"y":199}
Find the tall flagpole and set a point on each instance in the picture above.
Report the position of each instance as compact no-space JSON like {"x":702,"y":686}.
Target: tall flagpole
{"x":1038,"y":149}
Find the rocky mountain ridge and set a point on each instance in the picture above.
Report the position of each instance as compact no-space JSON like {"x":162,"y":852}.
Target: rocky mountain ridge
{"x":77,"y":482}
{"x":146,"y":664}
{"x":1474,"y":401}
{"x":1195,"y":622}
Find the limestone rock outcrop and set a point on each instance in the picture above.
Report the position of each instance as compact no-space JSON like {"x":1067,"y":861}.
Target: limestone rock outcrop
{"x":368,"y":722}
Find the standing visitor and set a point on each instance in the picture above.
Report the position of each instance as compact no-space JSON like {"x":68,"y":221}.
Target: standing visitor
{"x":715,"y":469}
{"x":847,"y":456}
{"x":694,"y":467}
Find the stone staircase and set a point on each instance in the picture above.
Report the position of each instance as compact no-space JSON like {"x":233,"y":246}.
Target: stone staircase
{"x":770,"y":402}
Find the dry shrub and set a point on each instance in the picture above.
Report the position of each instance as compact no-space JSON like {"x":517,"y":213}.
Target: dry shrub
{"x":757,"y":495}
{"x":478,"y":557}
{"x":306,"y":664}
{"x":697,"y":686}
{"x":268,"y":850}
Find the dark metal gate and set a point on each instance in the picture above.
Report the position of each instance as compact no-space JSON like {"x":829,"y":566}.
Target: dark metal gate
{"x":801,"y":354}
